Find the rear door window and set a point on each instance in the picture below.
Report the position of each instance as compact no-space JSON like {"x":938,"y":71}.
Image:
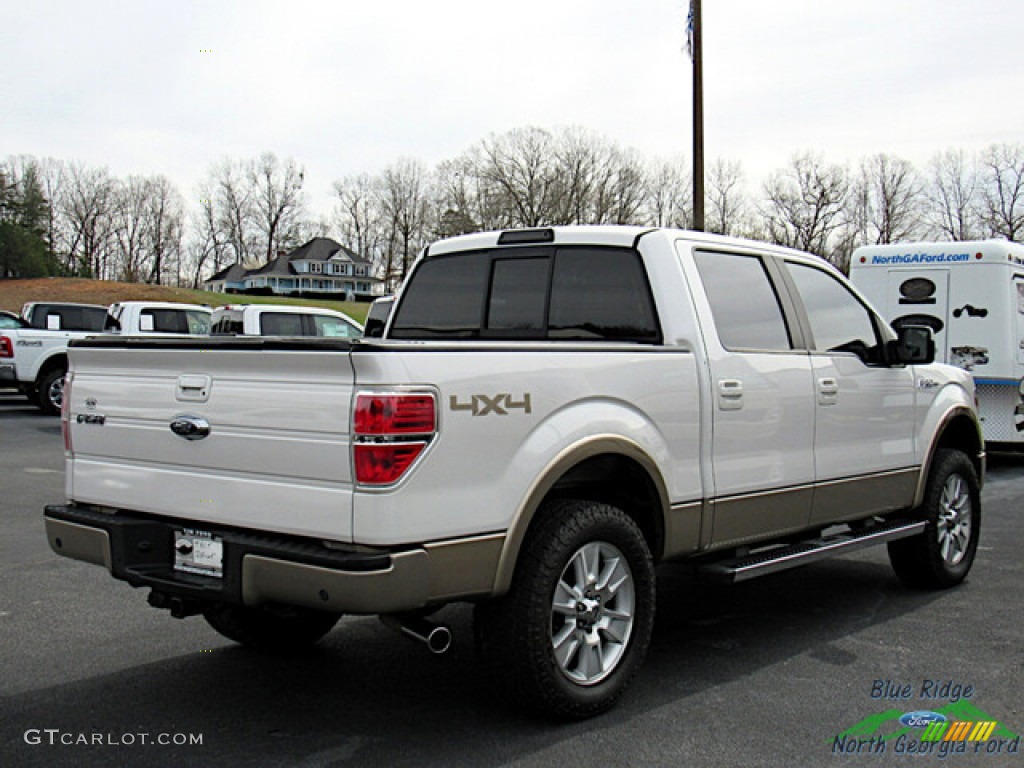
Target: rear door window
{"x":744,"y":304}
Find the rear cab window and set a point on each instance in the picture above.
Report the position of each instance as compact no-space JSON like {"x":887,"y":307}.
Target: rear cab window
{"x":565,"y":293}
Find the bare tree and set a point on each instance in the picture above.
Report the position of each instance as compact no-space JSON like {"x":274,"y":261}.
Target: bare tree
{"x":1003,"y":191}
{"x":669,"y":199}
{"x":129,"y":224}
{"x":803,"y":203}
{"x":166,"y":215}
{"x":147,"y":226}
{"x":891,"y":193}
{"x":405,"y":197}
{"x":206,"y":246}
{"x":727,"y":207}
{"x":360,"y":218}
{"x":456,"y":188}
{"x":52,"y":176}
{"x":952,"y":195}
{"x":234,"y":207}
{"x":278,"y":202}
{"x":86,"y":210}
{"x":517,"y":168}
{"x":619,"y":188}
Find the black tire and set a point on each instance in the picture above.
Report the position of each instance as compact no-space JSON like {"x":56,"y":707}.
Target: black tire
{"x":277,"y":630}
{"x":50,"y":391}
{"x":570,"y":653}
{"x":942,"y":555}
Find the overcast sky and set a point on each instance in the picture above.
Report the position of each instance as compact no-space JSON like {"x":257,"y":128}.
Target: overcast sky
{"x":170,"y":86}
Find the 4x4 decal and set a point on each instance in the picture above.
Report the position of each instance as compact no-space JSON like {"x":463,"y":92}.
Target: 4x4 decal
{"x":484,"y":405}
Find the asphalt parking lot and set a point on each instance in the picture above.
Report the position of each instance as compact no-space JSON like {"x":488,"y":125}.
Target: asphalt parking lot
{"x":773,"y":672}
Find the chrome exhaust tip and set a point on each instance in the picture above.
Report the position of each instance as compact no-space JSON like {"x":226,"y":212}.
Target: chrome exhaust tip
{"x":437,"y":637}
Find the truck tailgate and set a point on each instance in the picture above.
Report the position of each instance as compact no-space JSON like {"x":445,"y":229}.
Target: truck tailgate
{"x":276,"y":457}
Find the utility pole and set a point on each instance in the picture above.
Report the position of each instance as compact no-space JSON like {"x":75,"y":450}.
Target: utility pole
{"x":696,"y":53}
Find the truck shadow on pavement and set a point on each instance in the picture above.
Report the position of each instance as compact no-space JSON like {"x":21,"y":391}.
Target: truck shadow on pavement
{"x":367,"y":696}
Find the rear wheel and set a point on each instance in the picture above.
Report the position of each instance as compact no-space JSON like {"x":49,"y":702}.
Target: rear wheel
{"x":50,"y":391}
{"x":942,"y":555}
{"x":275,"y":629}
{"x":575,"y":626}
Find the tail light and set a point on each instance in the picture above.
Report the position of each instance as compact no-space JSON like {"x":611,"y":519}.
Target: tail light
{"x":389,"y":433}
{"x":6,"y":348}
{"x":65,"y":412}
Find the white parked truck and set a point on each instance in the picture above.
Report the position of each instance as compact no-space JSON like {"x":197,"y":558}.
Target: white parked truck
{"x":36,"y":360}
{"x":971,"y":294}
{"x":549,"y":414}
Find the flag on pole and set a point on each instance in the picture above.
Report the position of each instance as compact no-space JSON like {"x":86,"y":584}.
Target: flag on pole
{"x":689,"y":32}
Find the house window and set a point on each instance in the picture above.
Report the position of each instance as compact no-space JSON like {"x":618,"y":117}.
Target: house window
{"x":316,"y":268}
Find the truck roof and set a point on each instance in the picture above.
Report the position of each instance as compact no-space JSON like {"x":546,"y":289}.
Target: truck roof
{"x":605,"y":235}
{"x":160,"y":305}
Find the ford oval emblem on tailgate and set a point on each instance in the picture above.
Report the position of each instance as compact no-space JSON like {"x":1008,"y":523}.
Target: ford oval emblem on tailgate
{"x":190,"y":427}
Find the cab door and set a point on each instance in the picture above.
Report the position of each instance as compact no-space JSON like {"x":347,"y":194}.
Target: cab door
{"x":864,"y":443}
{"x":761,"y":403}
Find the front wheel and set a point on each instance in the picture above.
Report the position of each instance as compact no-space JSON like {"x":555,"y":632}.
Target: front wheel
{"x":943,"y":553}
{"x":575,"y":626}
{"x":274,"y":629}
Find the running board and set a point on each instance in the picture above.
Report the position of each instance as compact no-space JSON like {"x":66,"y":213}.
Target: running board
{"x":785,"y":557}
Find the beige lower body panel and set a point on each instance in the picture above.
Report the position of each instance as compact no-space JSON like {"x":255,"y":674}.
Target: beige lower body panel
{"x":79,"y":542}
{"x":839,"y":501}
{"x":433,"y":573}
{"x":437,"y":573}
{"x":741,"y":520}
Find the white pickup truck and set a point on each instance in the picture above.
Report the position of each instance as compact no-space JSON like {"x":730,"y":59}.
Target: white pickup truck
{"x":549,"y":414}
{"x":36,"y":358}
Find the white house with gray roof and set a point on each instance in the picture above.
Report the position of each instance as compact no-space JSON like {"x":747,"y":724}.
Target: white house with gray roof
{"x":320,"y":266}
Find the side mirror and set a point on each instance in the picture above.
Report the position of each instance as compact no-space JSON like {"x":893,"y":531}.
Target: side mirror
{"x":374,"y":328}
{"x":914,"y":345}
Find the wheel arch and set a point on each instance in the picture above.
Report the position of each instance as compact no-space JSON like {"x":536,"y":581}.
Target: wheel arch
{"x":958,"y":429}
{"x":608,"y":469}
{"x":55,"y":361}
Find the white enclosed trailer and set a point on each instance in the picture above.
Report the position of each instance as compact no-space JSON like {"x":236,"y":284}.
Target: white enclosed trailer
{"x":971,"y":294}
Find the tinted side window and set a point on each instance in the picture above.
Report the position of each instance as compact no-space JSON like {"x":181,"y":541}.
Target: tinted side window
{"x":743,"y":302}
{"x":280,"y":324}
{"x":601,"y":293}
{"x":163,"y":321}
{"x":446,"y":300}
{"x":69,"y":318}
{"x":839,"y":322}
{"x":94,"y":318}
{"x":333,"y":327}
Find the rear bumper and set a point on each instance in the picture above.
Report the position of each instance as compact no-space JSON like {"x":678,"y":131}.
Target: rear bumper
{"x":262,"y":569}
